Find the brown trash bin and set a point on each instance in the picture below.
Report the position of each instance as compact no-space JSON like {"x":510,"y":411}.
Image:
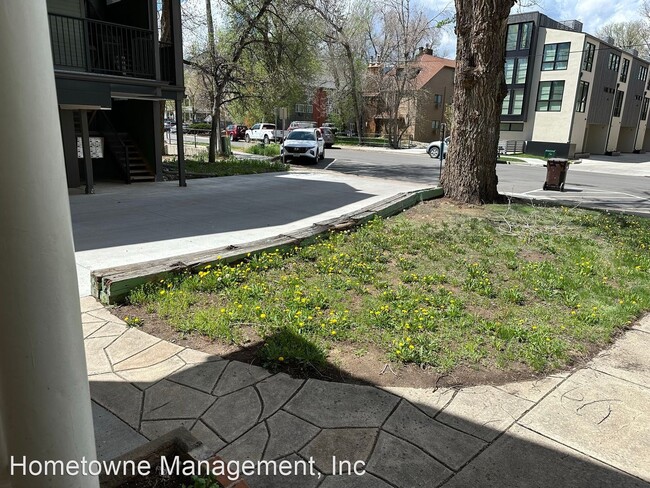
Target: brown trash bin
{"x":556,"y":169}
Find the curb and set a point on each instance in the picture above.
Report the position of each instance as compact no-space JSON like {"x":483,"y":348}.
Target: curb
{"x":112,"y":285}
{"x":552,"y":202}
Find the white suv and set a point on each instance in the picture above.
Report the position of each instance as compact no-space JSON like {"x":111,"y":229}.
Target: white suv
{"x":304,"y":143}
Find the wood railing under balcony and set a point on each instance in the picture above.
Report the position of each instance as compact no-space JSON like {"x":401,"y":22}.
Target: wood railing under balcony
{"x":102,"y":47}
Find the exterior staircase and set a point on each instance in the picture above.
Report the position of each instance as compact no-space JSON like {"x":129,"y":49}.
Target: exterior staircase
{"x":123,"y":148}
{"x":128,"y":156}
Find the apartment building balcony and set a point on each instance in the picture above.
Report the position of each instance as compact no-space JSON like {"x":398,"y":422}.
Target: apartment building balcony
{"x":95,"y":46}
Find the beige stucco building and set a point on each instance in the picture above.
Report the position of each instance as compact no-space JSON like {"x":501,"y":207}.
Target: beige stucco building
{"x":570,"y":91}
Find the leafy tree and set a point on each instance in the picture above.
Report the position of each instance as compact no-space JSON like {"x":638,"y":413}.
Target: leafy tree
{"x":258,"y":51}
{"x":395,"y":32}
{"x":346,"y":42}
{"x":634,"y":34}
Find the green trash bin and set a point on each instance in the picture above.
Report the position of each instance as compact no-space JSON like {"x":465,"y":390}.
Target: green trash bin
{"x":556,"y":174}
{"x":225,"y":143}
{"x":549,"y":153}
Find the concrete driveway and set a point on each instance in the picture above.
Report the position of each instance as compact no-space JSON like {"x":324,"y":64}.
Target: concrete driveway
{"x":126,"y":224}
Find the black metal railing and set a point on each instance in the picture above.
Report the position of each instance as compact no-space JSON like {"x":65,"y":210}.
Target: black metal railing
{"x":103,"y":47}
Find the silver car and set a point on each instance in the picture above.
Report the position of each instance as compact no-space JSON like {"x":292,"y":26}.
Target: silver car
{"x":305,"y":144}
{"x":328,"y":136}
{"x":433,"y":149}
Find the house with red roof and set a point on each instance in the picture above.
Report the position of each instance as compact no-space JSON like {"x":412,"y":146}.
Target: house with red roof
{"x":422,"y":110}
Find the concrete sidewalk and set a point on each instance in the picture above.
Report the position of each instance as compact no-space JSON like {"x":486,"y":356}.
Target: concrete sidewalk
{"x":626,"y":164}
{"x":127,"y":224}
{"x":586,"y":428}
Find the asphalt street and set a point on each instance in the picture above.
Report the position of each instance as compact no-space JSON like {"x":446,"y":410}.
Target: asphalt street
{"x":583,"y":188}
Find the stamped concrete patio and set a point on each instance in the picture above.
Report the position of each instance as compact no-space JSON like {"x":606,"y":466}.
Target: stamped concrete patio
{"x":585,"y":428}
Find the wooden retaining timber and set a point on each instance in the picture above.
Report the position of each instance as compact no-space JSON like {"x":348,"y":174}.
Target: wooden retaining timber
{"x":112,"y":285}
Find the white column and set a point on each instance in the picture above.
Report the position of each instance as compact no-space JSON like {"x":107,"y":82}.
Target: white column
{"x":44,"y":397}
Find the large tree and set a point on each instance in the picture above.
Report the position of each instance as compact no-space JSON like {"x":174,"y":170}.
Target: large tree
{"x":395,"y":32}
{"x":243,"y":53}
{"x":479,"y":89}
{"x":633,"y":34}
{"x":345,"y":39}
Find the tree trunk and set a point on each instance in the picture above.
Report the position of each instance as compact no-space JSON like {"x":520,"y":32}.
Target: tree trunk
{"x":358,"y":116}
{"x":479,"y":89}
{"x":213,"y":147}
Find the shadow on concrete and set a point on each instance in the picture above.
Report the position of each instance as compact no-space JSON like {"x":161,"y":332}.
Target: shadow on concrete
{"x":404,"y":444}
{"x":140,"y":213}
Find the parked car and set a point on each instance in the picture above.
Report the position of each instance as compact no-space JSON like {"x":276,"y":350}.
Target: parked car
{"x":236,"y":131}
{"x":304,"y":143}
{"x":302,"y":124}
{"x":263,"y":132}
{"x":433,"y":149}
{"x":328,"y":136}
{"x":331,"y":127}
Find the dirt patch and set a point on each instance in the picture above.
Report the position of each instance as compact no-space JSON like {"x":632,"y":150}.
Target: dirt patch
{"x":440,"y":210}
{"x":533,"y":256}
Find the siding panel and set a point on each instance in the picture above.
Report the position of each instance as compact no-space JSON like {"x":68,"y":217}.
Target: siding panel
{"x":635,"y":88}
{"x":600,"y":108}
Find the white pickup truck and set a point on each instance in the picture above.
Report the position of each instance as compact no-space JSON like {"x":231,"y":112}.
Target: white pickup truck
{"x":263,"y":132}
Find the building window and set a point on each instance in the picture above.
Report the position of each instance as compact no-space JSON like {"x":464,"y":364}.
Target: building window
{"x":644,"y":108}
{"x":304,"y":108}
{"x":518,"y":37}
{"x":624,"y":70}
{"x":581,"y":99}
{"x":437,"y":99}
{"x":618,"y":103}
{"x":513,"y":104}
{"x":643,"y":73}
{"x":556,"y":56}
{"x":512,"y":127}
{"x":435,"y":125}
{"x":549,"y":96}
{"x":515,"y":71}
{"x":614,"y":62}
{"x":588,"y":62}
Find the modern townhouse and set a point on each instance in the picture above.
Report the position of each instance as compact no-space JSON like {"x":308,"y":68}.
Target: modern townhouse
{"x":572,"y":92}
{"x":114,"y":69}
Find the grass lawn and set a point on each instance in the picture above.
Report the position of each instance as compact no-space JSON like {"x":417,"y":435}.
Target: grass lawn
{"x":229,"y":166}
{"x":439,"y":285}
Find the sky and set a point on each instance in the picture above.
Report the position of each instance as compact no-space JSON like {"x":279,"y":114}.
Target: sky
{"x":592,"y":13}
